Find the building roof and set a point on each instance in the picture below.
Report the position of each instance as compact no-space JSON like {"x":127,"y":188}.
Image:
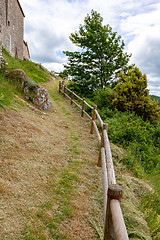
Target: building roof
{"x":20,"y":8}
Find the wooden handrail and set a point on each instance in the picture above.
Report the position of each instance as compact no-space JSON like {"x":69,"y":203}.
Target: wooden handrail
{"x":105,"y":181}
{"x":110,"y":167}
{"x":68,"y":89}
{"x":73,"y":93}
{"x":99,"y":118}
{"x":98,"y":134}
{"x":87,"y":115}
{"x":76,"y":104}
{"x":114,"y":226}
{"x":88,"y":105}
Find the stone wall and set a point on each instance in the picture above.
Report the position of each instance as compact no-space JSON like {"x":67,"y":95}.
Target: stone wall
{"x":11,"y":25}
{"x":26,"y":55}
{"x":0,"y":32}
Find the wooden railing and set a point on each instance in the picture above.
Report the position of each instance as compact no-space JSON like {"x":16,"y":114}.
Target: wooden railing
{"x":114,"y":226}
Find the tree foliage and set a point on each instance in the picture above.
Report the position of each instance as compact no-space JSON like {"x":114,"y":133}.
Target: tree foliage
{"x":100,"y":57}
{"x":132,"y":94}
{"x":63,"y":74}
{"x":156,"y":98}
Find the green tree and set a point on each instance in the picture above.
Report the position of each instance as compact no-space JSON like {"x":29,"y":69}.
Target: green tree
{"x":131,"y":94}
{"x":63,"y":74}
{"x":100,"y":57}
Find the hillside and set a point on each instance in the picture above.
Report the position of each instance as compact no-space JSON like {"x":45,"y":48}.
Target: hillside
{"x":156,"y":98}
{"x":51,"y":187}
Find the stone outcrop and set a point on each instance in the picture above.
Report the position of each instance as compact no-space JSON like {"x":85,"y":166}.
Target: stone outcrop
{"x":41,"y":99}
{"x":19,"y":73}
{"x":32,"y":91}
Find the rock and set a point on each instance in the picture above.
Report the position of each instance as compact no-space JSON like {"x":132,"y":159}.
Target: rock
{"x":41,"y":99}
{"x":19,"y":73}
{"x":3,"y":63}
{"x":6,"y":72}
{"x":27,"y":93}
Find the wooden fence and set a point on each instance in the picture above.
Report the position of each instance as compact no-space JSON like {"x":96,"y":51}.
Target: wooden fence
{"x":114,"y":226}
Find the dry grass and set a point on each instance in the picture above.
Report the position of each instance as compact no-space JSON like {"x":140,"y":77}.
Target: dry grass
{"x":49,"y":183}
{"x":35,"y":149}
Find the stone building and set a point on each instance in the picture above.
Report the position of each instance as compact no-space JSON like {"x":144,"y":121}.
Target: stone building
{"x":26,"y":55}
{"x":12,"y":29}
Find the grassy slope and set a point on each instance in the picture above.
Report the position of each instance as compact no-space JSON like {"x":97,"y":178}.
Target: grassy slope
{"x":33,"y":71}
{"x":49,"y":172}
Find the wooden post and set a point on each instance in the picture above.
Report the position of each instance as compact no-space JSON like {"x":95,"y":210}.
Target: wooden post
{"x":105,"y":126}
{"x":93,"y":118}
{"x":60,"y":86}
{"x":72,"y":98}
{"x":104,"y":181}
{"x":83,"y":106}
{"x":64,"y":90}
{"x":114,"y":192}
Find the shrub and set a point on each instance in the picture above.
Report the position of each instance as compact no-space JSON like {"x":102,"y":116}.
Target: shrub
{"x":81,"y":90}
{"x":138,"y":137}
{"x":102,"y":98}
{"x":131,"y":94}
{"x":28,"y":82}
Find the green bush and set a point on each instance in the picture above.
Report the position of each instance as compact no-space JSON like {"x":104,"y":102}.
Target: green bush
{"x":131,"y":94}
{"x":28,"y":82}
{"x":138,"y":137}
{"x":102,"y":98}
{"x":81,"y":90}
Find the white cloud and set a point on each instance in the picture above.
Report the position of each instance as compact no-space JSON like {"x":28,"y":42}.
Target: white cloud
{"x":49,"y":23}
{"x":143,"y":31}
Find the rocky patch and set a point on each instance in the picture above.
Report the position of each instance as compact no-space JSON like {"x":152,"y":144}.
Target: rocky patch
{"x":41,"y":99}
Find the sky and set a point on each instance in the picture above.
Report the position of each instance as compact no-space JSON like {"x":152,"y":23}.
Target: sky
{"x":49,"y":23}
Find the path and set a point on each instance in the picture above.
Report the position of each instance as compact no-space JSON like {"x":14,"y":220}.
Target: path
{"x":39,"y":151}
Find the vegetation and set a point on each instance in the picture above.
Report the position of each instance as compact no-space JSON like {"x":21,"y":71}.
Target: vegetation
{"x":100,"y":57}
{"x":11,"y":83}
{"x":6,"y":89}
{"x":156,"y":98}
{"x":131,"y":94}
{"x":33,"y":70}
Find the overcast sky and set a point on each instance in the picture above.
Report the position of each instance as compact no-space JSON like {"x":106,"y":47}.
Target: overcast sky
{"x":49,"y":23}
